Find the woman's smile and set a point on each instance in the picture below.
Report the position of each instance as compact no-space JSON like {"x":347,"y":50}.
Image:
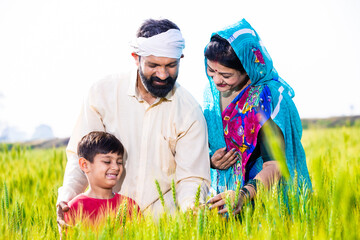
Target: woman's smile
{"x":225,"y":78}
{"x":221,"y":85}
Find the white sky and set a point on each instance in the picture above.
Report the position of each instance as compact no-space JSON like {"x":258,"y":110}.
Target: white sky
{"x":52,"y":51}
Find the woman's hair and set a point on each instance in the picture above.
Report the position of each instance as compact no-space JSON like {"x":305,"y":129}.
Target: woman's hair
{"x":152,"y":27}
{"x":98,"y":142}
{"x":219,"y":50}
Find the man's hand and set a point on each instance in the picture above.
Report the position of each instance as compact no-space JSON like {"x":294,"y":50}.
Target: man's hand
{"x":222,"y":159}
{"x":60,"y":209}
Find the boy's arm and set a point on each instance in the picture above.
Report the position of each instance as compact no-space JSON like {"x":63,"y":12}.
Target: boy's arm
{"x":192,"y":161}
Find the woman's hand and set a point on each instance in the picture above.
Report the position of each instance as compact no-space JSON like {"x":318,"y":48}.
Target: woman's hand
{"x":220,"y":200}
{"x":222,"y":159}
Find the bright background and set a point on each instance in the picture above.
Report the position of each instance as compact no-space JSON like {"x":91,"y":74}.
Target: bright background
{"x":52,"y":51}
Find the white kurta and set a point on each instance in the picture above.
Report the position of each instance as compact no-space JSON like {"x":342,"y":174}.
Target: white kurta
{"x":163,"y":141}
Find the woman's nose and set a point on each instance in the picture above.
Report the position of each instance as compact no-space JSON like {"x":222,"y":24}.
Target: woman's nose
{"x":216,"y":78}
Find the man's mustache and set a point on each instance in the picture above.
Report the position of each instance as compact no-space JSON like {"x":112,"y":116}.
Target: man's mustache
{"x":166,"y":81}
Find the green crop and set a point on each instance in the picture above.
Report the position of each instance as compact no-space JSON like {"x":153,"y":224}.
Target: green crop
{"x":29,"y":180}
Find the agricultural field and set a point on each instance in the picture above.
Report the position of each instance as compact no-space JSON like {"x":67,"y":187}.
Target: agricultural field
{"x":29,"y":180}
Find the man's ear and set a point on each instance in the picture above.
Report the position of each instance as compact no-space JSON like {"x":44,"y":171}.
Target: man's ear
{"x":84,"y":165}
{"x":137,"y":58}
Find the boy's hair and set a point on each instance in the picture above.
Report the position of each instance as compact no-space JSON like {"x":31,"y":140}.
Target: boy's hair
{"x":151,"y":27}
{"x":99,"y":142}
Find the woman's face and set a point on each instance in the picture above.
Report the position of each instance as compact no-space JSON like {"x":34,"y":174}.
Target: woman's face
{"x":225,"y":78}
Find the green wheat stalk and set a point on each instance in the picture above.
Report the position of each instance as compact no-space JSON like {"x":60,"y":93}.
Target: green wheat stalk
{"x":237,"y":193}
{"x":247,"y":219}
{"x":6,"y":197}
{"x":229,"y":205}
{"x":173,"y":190}
{"x":18,"y":214}
{"x":118,"y":214}
{"x":3,"y":210}
{"x":197,"y":196}
{"x":124,"y":214}
{"x":200,"y":223}
{"x":161,"y":196}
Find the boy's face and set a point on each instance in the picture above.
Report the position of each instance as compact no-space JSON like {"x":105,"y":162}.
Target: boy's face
{"x":105,"y":170}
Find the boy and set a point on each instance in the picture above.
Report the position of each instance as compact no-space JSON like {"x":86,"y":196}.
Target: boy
{"x":101,"y":159}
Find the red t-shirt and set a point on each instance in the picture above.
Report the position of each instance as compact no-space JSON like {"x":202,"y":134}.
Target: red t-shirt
{"x":93,"y":209}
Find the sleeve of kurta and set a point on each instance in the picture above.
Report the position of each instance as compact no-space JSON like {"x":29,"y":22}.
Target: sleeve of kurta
{"x":89,"y":119}
{"x":192,"y":160}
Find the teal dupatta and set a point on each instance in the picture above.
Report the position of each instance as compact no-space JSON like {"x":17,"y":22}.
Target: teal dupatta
{"x":259,"y":66}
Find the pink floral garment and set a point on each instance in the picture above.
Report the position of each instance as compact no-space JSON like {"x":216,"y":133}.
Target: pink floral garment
{"x":242,"y":120}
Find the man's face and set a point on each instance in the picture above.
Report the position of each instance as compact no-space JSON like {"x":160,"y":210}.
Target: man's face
{"x":158,"y":74}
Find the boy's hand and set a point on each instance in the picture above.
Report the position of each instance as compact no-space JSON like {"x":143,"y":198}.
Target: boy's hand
{"x":60,"y":209}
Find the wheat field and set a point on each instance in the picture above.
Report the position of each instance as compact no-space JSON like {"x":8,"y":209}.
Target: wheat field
{"x":29,"y":180}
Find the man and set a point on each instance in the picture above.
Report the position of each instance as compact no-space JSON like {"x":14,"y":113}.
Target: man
{"x":159,"y":122}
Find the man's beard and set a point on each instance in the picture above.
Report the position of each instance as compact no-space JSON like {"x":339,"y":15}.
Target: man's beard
{"x":157,"y":90}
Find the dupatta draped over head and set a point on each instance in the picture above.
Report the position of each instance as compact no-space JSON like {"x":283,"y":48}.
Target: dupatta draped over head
{"x":268,"y":96}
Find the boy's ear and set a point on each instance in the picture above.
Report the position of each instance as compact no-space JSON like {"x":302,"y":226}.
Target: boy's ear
{"x":84,"y":164}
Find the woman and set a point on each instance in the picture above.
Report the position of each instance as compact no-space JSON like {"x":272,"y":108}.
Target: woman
{"x":246,"y":105}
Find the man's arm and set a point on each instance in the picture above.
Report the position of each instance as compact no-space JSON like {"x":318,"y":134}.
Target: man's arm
{"x":192,"y":161}
{"x":75,"y":181}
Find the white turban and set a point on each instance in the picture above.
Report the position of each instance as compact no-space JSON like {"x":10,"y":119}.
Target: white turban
{"x":167,"y":44}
